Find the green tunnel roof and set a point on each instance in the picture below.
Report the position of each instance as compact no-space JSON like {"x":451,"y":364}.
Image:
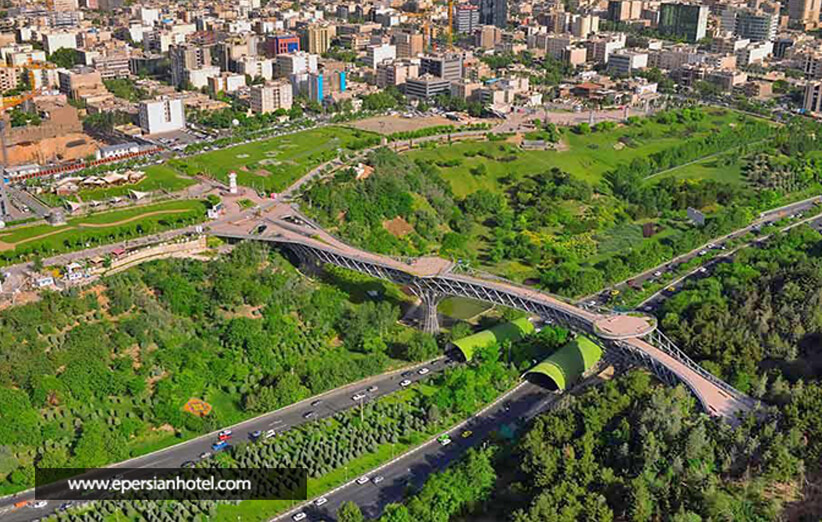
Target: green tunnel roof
{"x":502,"y":332}
{"x":567,"y":364}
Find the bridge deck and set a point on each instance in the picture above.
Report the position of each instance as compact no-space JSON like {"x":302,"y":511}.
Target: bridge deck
{"x":286,"y":225}
{"x":713,"y":398}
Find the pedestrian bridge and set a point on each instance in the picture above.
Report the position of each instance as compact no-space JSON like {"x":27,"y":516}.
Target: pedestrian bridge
{"x":433,"y":278}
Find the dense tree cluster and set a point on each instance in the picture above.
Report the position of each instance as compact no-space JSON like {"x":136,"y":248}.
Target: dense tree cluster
{"x":87,"y":377}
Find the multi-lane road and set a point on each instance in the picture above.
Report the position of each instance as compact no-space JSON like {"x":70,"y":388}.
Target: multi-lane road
{"x":652,"y":274}
{"x":321,"y":406}
{"x":411,"y":469}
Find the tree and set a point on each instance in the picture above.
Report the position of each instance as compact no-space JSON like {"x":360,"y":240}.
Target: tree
{"x":350,"y":512}
{"x":65,"y":58}
{"x":421,"y":347}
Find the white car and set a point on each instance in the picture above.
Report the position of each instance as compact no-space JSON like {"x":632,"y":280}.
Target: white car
{"x":299,"y":516}
{"x":703,"y":252}
{"x":405,"y":383}
{"x":657,"y":273}
{"x":320,"y":501}
{"x":358,"y":397}
{"x":377,"y":479}
{"x":268,"y":434}
{"x":423,"y":371}
{"x":372,"y":389}
{"x":37,"y":504}
{"x":362,"y":480}
{"x":702,"y":270}
{"x":204,"y":455}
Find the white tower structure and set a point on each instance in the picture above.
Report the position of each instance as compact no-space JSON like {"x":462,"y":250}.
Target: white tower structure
{"x":232,"y":182}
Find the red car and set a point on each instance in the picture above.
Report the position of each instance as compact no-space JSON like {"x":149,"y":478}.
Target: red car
{"x":224,"y":435}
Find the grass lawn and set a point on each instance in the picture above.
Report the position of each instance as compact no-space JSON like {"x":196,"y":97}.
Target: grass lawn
{"x":462,"y":308}
{"x":158,"y":177}
{"x":587,"y":156}
{"x":273,"y":164}
{"x":106,"y":227}
{"x":713,"y":168}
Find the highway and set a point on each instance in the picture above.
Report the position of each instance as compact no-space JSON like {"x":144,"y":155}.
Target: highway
{"x":521,"y":404}
{"x":323,"y":405}
{"x":766,"y":218}
{"x":704,"y":270}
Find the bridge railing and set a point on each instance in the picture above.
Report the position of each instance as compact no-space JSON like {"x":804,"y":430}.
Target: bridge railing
{"x":460,"y":268}
{"x":662,"y":342}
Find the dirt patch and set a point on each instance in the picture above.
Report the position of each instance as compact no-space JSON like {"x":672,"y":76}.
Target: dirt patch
{"x":391,"y":124}
{"x":398,"y":227}
{"x":129,"y":220}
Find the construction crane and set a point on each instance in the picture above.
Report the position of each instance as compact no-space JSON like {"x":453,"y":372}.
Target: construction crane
{"x":450,"y":24}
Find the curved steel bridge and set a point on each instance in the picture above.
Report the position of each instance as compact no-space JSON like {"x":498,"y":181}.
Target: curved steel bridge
{"x":432,"y":278}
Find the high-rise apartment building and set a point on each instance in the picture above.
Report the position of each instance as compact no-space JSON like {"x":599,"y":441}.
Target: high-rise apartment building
{"x":161,"y":116}
{"x":466,"y":18}
{"x":447,"y":66}
{"x":689,"y":21}
{"x":271,"y":96}
{"x":185,"y":58}
{"x":804,"y":13}
{"x":408,"y":44}
{"x":318,"y":38}
{"x":494,"y":12}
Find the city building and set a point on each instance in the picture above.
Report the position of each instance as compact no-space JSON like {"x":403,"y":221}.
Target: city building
{"x":625,"y":63}
{"x":318,"y":38}
{"x":376,"y":54}
{"x":271,"y":96}
{"x":426,"y":87}
{"x":281,"y":44}
{"x":80,"y":81}
{"x":408,"y":44}
{"x":488,"y":36}
{"x":161,"y":116}
{"x":466,"y":18}
{"x":256,"y":67}
{"x":447,"y":66}
{"x":624,"y":10}
{"x":299,"y":62}
{"x":493,"y":12}
{"x":804,"y":14}
{"x":186,"y":58}
{"x":396,"y":73}
{"x":226,"y":82}
{"x":756,"y":26}
{"x":812,"y":101}
{"x":688,"y":21}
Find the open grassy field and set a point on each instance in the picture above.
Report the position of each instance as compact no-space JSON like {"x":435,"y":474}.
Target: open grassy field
{"x":273,"y":164}
{"x":587,"y":156}
{"x":98,"y":229}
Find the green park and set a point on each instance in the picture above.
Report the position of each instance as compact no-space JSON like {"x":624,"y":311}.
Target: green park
{"x":273,"y":164}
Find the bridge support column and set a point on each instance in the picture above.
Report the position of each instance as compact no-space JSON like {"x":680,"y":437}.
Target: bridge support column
{"x":431,"y":321}
{"x":310,"y":265}
{"x":430,"y":299}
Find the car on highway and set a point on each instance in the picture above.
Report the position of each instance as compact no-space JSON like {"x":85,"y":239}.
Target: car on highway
{"x":671,"y":290}
{"x":268,"y":434}
{"x":204,"y":455}
{"x":188,"y":464}
{"x":444,"y":440}
{"x":423,"y":371}
{"x":299,"y":516}
{"x":467,"y":433}
{"x":377,"y":479}
{"x":65,"y":505}
{"x":658,"y":273}
{"x":224,"y":435}
{"x":363,"y":480}
{"x":372,"y":389}
{"x":405,"y":383}
{"x":320,"y":501}
{"x":702,"y":270}
{"x":358,"y":397}
{"x":254,"y":435}
{"x":317,"y":402}
{"x":308,"y":414}
{"x":37,"y":504}
{"x":220,"y":446}
{"x":703,"y":252}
